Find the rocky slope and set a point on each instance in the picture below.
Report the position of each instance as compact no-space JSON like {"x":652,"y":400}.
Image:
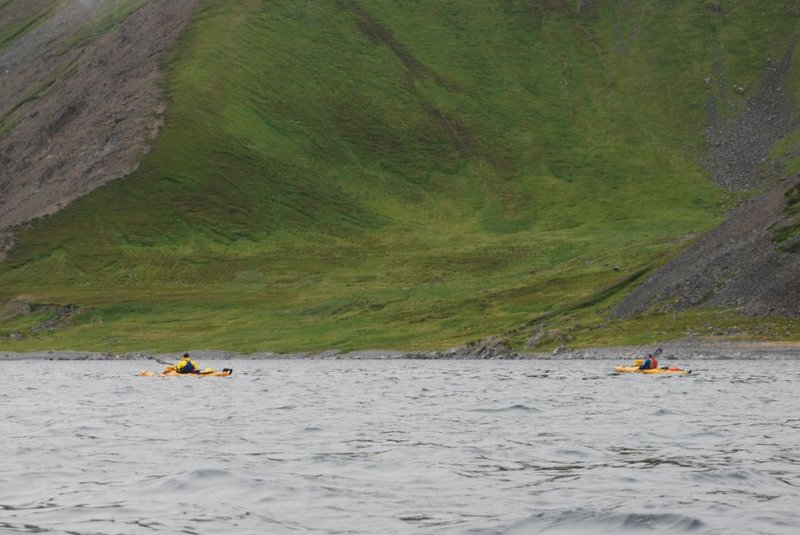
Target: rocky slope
{"x":741,"y":263}
{"x":79,"y":96}
{"x":738,"y":265}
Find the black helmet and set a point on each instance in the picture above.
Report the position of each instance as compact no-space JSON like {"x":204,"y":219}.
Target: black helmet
{"x":186,"y":355}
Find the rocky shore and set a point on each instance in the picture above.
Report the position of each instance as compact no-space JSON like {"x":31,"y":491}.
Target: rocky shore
{"x":491,"y":349}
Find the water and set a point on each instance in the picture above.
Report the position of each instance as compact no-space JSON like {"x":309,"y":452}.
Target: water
{"x":395,"y":447}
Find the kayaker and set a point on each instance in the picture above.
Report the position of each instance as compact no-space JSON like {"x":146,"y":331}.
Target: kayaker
{"x":650,"y":363}
{"x":187,"y":365}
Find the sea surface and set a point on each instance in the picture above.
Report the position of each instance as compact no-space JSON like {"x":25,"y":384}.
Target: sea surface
{"x":399,"y":446}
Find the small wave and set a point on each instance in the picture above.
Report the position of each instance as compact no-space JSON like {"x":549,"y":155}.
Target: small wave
{"x":753,"y":380}
{"x":281,"y":408}
{"x":415,"y":518}
{"x":653,"y":462}
{"x":343,"y":457}
{"x":544,"y":375}
{"x":511,"y":408}
{"x":194,"y":481}
{"x":22,"y":527}
{"x":664,"y":412}
{"x":580,"y":521}
{"x":727,"y":476}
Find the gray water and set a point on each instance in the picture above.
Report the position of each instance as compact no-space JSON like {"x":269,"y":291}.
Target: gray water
{"x":399,"y":446}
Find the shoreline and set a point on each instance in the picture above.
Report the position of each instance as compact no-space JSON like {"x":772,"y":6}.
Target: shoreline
{"x":678,"y":350}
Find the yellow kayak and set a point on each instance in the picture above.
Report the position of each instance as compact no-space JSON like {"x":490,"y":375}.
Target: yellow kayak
{"x":169,"y":371}
{"x":674,"y":370}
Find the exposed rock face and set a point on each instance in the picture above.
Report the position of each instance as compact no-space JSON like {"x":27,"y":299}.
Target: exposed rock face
{"x":738,"y":149}
{"x":736,"y":265}
{"x":79,"y":102}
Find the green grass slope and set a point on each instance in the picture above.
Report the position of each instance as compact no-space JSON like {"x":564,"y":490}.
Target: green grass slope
{"x":397,"y":174}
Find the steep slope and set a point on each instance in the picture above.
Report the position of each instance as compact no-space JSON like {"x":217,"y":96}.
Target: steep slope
{"x":739,"y":265}
{"x":79,"y":100}
{"x":353,"y":174}
{"x":751,"y":262}
{"x":740,"y":147}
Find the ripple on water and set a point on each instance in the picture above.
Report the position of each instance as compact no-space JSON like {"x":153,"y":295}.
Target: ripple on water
{"x":517,"y":407}
{"x":585,"y":521}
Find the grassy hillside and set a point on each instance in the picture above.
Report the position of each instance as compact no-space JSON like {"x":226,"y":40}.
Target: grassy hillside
{"x":398,"y":174}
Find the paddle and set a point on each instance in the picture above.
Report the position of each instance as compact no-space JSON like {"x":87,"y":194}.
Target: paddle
{"x":165,"y":363}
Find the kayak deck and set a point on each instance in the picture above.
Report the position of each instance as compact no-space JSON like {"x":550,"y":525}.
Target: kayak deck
{"x":169,"y":371}
{"x":670,"y":370}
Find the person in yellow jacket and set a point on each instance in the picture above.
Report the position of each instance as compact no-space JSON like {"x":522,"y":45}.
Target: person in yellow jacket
{"x":187,"y":365}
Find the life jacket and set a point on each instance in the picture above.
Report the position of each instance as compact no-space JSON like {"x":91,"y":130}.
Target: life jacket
{"x":186,"y":366}
{"x":650,"y":363}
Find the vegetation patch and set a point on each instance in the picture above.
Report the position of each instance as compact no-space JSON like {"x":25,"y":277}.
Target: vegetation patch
{"x":20,"y":27}
{"x":787,"y":233}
